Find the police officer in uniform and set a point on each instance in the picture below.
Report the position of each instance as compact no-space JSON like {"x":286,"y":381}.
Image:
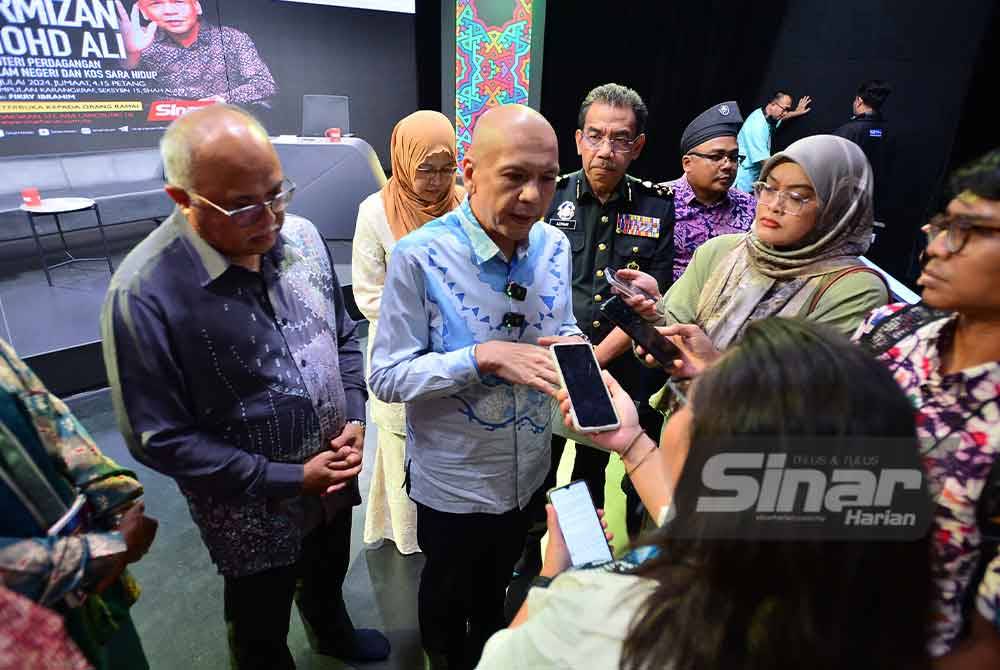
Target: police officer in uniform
{"x":868,"y":129}
{"x":617,"y":221}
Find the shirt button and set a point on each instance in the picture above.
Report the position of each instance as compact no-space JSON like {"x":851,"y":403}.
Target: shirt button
{"x":284,"y":322}
{"x":303,"y":361}
{"x":596,"y":324}
{"x":602,"y":246}
{"x":598,"y":298}
{"x":635,"y":250}
{"x":600,"y":273}
{"x":604,"y":219}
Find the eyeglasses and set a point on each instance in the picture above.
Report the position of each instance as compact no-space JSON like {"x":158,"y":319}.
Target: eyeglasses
{"x":429,"y":172}
{"x":791,"y":201}
{"x":619,"y":145}
{"x":733,"y":157}
{"x":958,"y":229}
{"x":244,"y":217}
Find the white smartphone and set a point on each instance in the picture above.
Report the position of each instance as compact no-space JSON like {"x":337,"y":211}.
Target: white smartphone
{"x":624,"y":285}
{"x":580,"y":373}
{"x":580,"y":525}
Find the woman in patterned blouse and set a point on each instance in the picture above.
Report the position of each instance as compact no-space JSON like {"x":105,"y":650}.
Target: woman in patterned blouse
{"x":949,"y":366}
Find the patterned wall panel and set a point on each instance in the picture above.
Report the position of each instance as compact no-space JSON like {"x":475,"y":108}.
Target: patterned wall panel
{"x":492,"y":60}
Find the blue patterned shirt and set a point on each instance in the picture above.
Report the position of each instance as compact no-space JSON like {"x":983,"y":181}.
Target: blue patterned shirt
{"x":229,"y":380}
{"x":475,"y":443}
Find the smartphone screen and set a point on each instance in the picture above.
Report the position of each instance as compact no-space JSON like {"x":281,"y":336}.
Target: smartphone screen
{"x":582,"y":377}
{"x":580,"y":525}
{"x":640,"y":330}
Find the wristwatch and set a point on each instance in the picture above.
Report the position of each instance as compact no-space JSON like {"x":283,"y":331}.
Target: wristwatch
{"x":358,"y":422}
{"x":541,"y":582}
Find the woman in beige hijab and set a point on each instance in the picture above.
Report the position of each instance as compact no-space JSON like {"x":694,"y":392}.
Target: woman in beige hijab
{"x":422,"y":188}
{"x":800,"y":258}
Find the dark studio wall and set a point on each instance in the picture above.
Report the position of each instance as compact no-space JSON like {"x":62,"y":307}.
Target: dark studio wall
{"x":684,"y":57}
{"x":933,"y":55}
{"x":309,"y":49}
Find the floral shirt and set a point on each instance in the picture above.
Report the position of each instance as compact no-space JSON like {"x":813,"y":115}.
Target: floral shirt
{"x":696,"y":223}
{"x":958,"y":423}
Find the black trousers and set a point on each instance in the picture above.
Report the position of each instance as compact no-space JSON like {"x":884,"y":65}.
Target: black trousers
{"x":469,"y":559}
{"x":258,"y":606}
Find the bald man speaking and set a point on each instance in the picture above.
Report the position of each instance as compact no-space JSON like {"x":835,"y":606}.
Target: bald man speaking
{"x":471,"y":301}
{"x":235,"y":369}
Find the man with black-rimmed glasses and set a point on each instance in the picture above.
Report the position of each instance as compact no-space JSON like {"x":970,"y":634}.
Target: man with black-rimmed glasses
{"x":612,"y":220}
{"x":705,"y":203}
{"x":235,"y":370}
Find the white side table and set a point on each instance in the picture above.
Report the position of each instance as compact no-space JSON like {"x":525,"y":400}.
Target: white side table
{"x":54,"y":207}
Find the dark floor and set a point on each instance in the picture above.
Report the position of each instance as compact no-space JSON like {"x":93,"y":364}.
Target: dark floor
{"x":36,"y":318}
{"x":179,"y":615}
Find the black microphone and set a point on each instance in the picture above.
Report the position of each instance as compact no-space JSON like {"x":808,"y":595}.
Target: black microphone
{"x":516,"y":292}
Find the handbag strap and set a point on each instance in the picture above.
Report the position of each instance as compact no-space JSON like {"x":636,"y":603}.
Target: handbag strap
{"x":818,"y":295}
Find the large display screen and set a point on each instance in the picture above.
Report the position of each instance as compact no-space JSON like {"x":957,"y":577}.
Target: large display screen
{"x":90,"y":74}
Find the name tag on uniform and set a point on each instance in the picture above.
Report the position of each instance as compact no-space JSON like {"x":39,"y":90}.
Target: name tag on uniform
{"x":563,"y":224}
{"x":638,"y":225}
{"x":874,"y":132}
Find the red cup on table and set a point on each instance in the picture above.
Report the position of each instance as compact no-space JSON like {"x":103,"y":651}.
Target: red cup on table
{"x":31,"y":197}
{"x":333,"y":134}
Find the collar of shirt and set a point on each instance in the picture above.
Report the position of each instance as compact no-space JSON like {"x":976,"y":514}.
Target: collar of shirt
{"x":210,"y":263}
{"x":684,"y":193}
{"x":483,"y":245}
{"x":622,"y":190}
{"x":872,"y":116}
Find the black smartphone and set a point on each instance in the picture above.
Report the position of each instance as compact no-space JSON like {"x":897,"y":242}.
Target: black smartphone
{"x":580,"y":525}
{"x":640,"y":330}
{"x":593,"y":410}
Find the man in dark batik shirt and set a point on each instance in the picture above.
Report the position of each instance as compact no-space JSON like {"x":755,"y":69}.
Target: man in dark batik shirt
{"x":235,"y":369}
{"x":194,"y":59}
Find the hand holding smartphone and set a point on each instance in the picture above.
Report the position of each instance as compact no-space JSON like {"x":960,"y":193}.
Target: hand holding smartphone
{"x":593,"y":411}
{"x":580,"y":525}
{"x":625,"y":286}
{"x":645,"y":335}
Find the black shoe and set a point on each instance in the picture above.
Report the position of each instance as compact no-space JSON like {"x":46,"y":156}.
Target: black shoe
{"x":369,"y":645}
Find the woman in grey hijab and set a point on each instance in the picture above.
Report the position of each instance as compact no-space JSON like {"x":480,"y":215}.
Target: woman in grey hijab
{"x":800,"y":258}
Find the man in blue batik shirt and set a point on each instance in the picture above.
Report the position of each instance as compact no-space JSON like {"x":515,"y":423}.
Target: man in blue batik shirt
{"x":471,"y":300}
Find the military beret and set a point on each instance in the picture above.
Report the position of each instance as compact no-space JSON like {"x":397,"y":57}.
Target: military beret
{"x":717,"y":121}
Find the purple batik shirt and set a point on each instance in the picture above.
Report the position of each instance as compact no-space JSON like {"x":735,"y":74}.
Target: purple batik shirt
{"x":696,"y":223}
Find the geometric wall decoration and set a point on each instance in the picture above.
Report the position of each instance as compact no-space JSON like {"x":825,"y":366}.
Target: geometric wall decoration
{"x":492,"y":60}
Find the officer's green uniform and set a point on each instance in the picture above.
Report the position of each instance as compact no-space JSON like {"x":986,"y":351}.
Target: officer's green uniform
{"x":633,"y":229}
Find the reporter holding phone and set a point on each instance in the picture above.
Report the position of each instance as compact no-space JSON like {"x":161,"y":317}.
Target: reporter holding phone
{"x":800,"y":258}
{"x":697,"y":601}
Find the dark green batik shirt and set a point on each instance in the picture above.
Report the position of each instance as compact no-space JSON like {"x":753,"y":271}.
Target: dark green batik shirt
{"x":633,"y":229}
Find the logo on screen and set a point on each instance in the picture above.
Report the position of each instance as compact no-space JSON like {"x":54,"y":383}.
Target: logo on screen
{"x":168,"y":110}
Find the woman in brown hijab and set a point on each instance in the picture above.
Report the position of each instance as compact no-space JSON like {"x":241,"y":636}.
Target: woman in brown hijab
{"x":422,"y":188}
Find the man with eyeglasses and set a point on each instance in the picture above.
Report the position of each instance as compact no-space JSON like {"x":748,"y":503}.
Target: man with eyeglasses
{"x":235,"y":369}
{"x":754,"y":138}
{"x":705,"y":203}
{"x":612,"y":220}
{"x":945,"y":354}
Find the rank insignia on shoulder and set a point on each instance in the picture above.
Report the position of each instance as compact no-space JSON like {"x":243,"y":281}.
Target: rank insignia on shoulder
{"x":638,"y":225}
